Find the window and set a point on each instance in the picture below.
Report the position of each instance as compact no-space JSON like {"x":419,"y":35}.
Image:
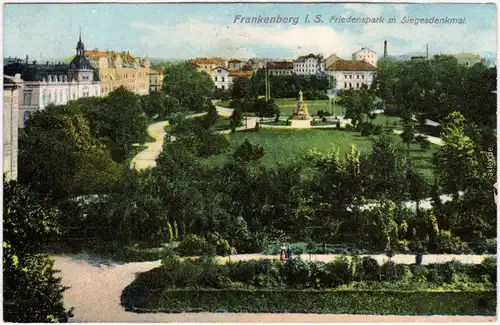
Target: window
{"x":222,"y":87}
{"x":362,"y":76}
{"x":27,"y":98}
{"x":350,"y":76}
{"x":357,"y":84}
{"x":345,"y":76}
{"x":215,"y":78}
{"x":350,"y":85}
{"x":222,"y":79}
{"x":345,"y":84}
{"x":357,"y":76}
{"x":219,"y":71}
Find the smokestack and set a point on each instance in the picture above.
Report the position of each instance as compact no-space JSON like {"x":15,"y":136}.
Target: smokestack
{"x":385,"y":49}
{"x":427,"y":51}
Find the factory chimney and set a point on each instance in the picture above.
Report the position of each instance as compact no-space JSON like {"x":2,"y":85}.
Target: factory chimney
{"x":427,"y":51}
{"x":385,"y":49}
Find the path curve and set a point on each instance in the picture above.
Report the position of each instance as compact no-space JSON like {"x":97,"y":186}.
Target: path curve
{"x":95,"y":292}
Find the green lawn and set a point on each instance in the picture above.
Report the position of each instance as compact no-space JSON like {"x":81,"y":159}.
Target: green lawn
{"x":285,"y":146}
{"x":287,"y":106}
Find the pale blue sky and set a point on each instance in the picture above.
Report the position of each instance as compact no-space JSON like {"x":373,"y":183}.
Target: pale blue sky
{"x":179,"y":31}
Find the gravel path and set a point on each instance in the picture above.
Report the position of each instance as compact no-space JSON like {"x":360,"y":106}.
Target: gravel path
{"x":96,"y":289}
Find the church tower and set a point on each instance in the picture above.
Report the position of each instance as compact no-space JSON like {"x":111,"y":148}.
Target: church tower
{"x":80,"y":68}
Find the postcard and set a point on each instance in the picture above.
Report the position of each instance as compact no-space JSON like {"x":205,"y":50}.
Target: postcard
{"x":249,"y":162}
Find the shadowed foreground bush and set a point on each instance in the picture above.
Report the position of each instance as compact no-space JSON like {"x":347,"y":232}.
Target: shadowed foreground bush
{"x":311,"y":301}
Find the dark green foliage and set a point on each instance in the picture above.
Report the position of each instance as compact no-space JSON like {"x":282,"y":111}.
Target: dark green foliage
{"x":388,"y":271}
{"x":193,"y":245}
{"x":32,"y":292}
{"x":324,"y":301}
{"x":297,"y":273}
{"x":370,"y":269}
{"x":247,"y":152}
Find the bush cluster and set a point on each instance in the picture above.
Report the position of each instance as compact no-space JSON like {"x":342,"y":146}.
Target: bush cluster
{"x":300,"y":274}
{"x":212,"y":244}
{"x":317,"y":301}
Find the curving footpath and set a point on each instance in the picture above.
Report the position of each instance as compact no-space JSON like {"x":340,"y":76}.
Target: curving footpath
{"x":95,"y":292}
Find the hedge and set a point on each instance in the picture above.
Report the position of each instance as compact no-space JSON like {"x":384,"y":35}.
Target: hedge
{"x":313,"y":301}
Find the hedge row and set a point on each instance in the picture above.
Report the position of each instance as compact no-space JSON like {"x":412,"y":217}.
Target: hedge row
{"x":314,"y":301}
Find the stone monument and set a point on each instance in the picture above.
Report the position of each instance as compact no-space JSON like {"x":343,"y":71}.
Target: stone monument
{"x":301,"y":117}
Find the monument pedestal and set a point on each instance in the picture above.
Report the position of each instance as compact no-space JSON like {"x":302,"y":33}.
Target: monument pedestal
{"x":300,"y":124}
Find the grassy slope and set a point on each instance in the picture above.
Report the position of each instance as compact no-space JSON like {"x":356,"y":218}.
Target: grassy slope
{"x":283,"y":146}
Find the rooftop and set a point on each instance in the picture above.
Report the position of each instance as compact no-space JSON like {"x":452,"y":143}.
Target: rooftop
{"x":351,"y":65}
{"x":467,"y":56}
{"x":280,"y":65}
{"x":241,"y":73}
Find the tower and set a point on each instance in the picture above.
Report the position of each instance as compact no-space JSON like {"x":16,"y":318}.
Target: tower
{"x":80,"y":68}
{"x":385,"y":49}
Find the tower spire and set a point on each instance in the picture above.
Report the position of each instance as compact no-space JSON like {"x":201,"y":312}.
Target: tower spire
{"x":80,"y":39}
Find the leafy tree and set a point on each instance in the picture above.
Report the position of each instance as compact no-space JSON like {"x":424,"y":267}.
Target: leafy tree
{"x":418,"y":186}
{"x":456,"y":160}
{"x":59,"y":155}
{"x":211,"y":116}
{"x":190,"y":87}
{"x":32,"y":292}
{"x":408,"y":136}
{"x":242,"y":89}
{"x":247,"y":152}
{"x":235,"y":120}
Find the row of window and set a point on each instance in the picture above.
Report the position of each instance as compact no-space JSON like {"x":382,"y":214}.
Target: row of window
{"x":222,"y":79}
{"x":349,"y":85}
{"x":357,"y":76}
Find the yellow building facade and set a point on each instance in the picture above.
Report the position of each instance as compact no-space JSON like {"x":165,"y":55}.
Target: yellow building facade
{"x":118,"y":69}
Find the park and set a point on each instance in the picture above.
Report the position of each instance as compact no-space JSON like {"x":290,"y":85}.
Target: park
{"x":196,"y":193}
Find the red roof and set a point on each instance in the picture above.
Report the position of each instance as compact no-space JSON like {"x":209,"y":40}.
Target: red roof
{"x":351,"y":65}
{"x":280,"y":65}
{"x":97,"y":53}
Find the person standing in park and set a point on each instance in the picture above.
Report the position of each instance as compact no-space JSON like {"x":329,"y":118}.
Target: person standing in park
{"x":283,"y":254}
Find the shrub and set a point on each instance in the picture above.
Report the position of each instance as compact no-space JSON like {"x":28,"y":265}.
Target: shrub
{"x":403,"y":272}
{"x":449,"y":244}
{"x":297,"y":273}
{"x":193,"y":245}
{"x":340,"y":271}
{"x":423,"y":142}
{"x":449,"y":271}
{"x":370,"y":269}
{"x":378,"y":130}
{"x":388,"y":271}
{"x":321,"y":301}
{"x":367,"y":129}
{"x":349,"y":127}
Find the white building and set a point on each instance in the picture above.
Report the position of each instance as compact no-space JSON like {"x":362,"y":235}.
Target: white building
{"x":280,"y":68}
{"x":309,"y":65}
{"x":223,"y":77}
{"x":367,"y":55}
{"x":235,"y":64}
{"x":53,"y":90}
{"x":12,"y":88}
{"x":352,"y":74}
{"x":46,"y":84}
{"x":220,"y":75}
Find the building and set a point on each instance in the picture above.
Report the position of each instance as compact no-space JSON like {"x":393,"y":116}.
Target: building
{"x":352,"y":74}
{"x":207,"y":64}
{"x":155,"y":79}
{"x":224,"y":78}
{"x":280,"y":68}
{"x":309,"y":65}
{"x":331,"y":60}
{"x":468,"y":58}
{"x":367,"y":55}
{"x":220,"y":76}
{"x":256,"y":63}
{"x":12,"y":88}
{"x":235,"y":64}
{"x":120,"y":69}
{"x":54,"y":84}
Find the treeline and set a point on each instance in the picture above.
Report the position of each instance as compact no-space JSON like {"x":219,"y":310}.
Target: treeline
{"x":437,"y":87}
{"x":80,"y":148}
{"x":313,"y":87}
{"x":356,"y":200}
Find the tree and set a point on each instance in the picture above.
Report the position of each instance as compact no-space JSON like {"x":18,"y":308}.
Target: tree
{"x":456,"y":160}
{"x":190,"y":87}
{"x":211,"y":116}
{"x":247,"y":152}
{"x":59,"y":155}
{"x":235,"y":120}
{"x":242,"y":89}
{"x":32,"y":292}
{"x":418,"y":186}
{"x":408,"y":136}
